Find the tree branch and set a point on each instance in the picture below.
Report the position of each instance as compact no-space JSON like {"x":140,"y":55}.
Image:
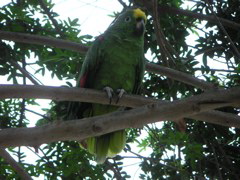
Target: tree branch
{"x":224,"y":30}
{"x":54,"y":22}
{"x":225,"y":22}
{"x":36,"y":113}
{"x":164,"y":45}
{"x":6,"y":156}
{"x":94,"y":96}
{"x":174,"y":11}
{"x":114,"y":169}
{"x":41,"y":40}
{"x":171,"y":73}
{"x":98,"y":125}
{"x":149,"y":158}
{"x":180,"y":76}
{"x":70,"y":94}
{"x":216,"y":161}
{"x":123,"y":3}
{"x":24,"y":72}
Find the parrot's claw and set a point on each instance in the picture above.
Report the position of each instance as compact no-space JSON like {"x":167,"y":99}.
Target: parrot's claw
{"x":120,"y":93}
{"x":109,"y":92}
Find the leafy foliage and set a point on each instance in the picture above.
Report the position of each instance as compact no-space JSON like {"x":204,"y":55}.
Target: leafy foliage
{"x":204,"y":151}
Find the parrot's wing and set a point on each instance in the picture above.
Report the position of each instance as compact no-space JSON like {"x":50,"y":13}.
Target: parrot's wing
{"x":86,"y":79}
{"x":91,"y":64}
{"x":139,"y":76}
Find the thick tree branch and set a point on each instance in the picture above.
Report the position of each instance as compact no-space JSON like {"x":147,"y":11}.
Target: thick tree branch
{"x":171,"y":73}
{"x":94,"y":126}
{"x":6,"y":156}
{"x":70,"y":94}
{"x":94,"y":96}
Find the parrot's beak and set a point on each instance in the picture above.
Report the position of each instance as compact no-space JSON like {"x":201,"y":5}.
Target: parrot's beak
{"x":140,"y":26}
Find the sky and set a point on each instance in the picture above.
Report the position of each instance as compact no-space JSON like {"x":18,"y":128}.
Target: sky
{"x":93,"y":15}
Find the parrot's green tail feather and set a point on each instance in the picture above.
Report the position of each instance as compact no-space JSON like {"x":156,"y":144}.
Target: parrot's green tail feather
{"x":102,"y":145}
{"x":107,"y":145}
{"x":91,"y":145}
{"x":117,"y":142}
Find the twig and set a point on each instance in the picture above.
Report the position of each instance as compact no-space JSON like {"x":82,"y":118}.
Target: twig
{"x":117,"y":173}
{"x":20,"y":123}
{"x":147,"y":158}
{"x":205,"y":51}
{"x":216,"y":162}
{"x":229,"y":163}
{"x":34,"y":152}
{"x":22,"y":106}
{"x":224,"y":30}
{"x":122,"y":3}
{"x":152,"y":133}
{"x":24,"y":72}
{"x":193,"y":47}
{"x":54,"y":22}
{"x":222,"y":70}
{"x":41,"y":115}
{"x":5,"y":155}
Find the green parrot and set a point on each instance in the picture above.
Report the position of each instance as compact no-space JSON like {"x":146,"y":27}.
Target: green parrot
{"x":115,"y":64}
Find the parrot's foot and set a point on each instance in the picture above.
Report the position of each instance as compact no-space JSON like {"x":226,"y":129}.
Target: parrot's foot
{"x":109,"y":92}
{"x":120,"y":93}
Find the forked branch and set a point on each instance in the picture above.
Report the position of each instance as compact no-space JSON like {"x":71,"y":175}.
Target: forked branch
{"x":137,"y":117}
{"x":94,"y":96}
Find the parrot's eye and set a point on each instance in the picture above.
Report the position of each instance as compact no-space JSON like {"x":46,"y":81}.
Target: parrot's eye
{"x":127,"y":19}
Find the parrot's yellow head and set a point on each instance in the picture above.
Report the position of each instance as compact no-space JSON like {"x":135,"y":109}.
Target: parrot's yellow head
{"x":130,"y":23}
{"x":138,"y":13}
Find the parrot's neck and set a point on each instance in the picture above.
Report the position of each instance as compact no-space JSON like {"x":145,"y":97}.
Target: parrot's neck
{"x":124,"y":38}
